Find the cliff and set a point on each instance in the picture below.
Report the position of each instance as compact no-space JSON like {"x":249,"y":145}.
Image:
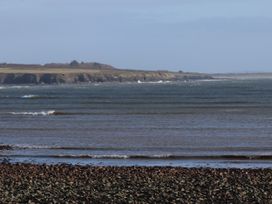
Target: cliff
{"x":84,"y":72}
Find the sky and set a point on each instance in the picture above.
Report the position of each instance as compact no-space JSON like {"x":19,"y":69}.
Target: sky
{"x":191,"y":35}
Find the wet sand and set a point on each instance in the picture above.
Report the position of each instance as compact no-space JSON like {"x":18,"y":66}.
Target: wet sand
{"x":28,"y":183}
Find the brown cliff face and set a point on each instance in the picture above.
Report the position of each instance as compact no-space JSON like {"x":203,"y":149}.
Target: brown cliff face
{"x":87,"y":72}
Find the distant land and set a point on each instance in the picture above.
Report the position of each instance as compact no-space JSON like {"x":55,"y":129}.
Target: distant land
{"x":260,"y":75}
{"x":75,"y":72}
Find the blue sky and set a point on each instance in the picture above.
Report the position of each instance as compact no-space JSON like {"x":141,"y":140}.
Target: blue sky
{"x":190,"y":35}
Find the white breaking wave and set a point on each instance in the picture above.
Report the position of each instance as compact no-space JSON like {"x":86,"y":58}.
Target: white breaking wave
{"x":114,"y":156}
{"x":159,"y":82}
{"x":153,"y":82}
{"x":14,"y":87}
{"x":29,"y":96}
{"x":26,"y":146}
{"x":89,"y":156}
{"x":42,"y":113}
{"x":18,"y":87}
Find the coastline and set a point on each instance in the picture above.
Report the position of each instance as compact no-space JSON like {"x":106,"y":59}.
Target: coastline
{"x":86,"y":73}
{"x":66,"y":183}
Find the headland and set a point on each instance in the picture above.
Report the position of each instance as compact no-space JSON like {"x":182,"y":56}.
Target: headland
{"x":74,"y":72}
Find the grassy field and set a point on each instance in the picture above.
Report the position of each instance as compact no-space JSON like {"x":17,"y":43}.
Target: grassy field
{"x":24,"y":70}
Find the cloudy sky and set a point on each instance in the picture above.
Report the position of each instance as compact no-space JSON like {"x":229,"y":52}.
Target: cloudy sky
{"x":190,"y":35}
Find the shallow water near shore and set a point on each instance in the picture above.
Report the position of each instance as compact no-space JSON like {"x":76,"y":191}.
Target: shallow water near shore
{"x":221,"y":123}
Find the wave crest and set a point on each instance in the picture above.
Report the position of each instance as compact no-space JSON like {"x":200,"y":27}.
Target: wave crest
{"x":30,"y":96}
{"x":14,"y":87}
{"x":40,"y":113}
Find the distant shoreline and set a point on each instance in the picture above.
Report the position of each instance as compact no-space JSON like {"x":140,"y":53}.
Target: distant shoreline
{"x":85,"y":73}
{"x":261,"y":75}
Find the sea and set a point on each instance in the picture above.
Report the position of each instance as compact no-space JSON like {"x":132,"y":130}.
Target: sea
{"x":223,"y":123}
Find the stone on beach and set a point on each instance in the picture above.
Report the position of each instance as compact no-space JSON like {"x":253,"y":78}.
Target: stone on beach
{"x":28,"y":183}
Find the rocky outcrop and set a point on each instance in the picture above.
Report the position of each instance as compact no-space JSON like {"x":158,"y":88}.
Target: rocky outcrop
{"x":84,"y":72}
{"x":57,"y":78}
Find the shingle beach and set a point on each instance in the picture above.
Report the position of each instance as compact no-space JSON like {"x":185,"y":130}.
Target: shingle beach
{"x":29,"y":183}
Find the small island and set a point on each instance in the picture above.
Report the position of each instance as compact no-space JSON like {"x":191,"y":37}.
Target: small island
{"x":81,"y":72}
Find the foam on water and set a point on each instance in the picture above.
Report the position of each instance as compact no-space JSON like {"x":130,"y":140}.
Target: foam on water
{"x":29,"y":96}
{"x":14,"y":87}
{"x":40,"y":113}
{"x":27,"y":146}
{"x":153,"y":82}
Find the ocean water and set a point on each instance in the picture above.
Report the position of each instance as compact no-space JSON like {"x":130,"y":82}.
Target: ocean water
{"x":220,"y":123}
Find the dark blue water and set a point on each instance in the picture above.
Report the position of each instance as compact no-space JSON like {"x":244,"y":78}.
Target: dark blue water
{"x":224,"y":123}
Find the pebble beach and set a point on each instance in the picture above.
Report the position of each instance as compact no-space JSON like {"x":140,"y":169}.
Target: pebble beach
{"x":29,"y":183}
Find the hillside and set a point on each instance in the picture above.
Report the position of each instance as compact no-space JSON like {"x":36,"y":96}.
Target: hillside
{"x":84,"y":72}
